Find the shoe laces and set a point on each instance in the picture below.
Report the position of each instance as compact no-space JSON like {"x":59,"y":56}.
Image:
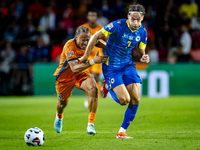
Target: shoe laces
{"x":58,"y":122}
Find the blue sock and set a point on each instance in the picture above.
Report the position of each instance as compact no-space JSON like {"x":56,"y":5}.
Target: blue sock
{"x":129,"y":115}
{"x":114,"y":96}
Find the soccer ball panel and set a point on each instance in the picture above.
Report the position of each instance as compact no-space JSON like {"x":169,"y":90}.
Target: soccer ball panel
{"x":34,"y":137}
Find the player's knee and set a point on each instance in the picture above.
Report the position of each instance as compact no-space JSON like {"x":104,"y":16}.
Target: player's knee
{"x":93,"y":91}
{"x":124,"y":100}
{"x":137,"y":100}
{"x":63,"y":104}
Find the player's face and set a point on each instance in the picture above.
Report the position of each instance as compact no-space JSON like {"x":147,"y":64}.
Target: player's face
{"x":92,"y":17}
{"x":134,"y":20}
{"x":82,"y":40}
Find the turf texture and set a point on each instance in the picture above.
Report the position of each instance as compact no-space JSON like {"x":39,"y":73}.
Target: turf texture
{"x":171,"y":123}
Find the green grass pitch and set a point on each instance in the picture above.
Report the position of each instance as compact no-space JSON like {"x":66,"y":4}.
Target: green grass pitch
{"x":172,"y":123}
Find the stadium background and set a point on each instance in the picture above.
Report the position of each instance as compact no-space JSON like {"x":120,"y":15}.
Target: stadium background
{"x":32,"y":35}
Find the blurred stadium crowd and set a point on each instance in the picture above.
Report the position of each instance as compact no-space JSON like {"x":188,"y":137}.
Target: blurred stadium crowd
{"x":35,"y":31}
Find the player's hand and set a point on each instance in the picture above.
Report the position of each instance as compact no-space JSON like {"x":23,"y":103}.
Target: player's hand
{"x":100,"y":59}
{"x":145,"y":58}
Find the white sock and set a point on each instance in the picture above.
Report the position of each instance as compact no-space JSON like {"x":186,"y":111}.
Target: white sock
{"x":122,"y":130}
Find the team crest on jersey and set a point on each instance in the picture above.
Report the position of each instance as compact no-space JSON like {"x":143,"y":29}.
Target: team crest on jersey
{"x":110,"y":26}
{"x":137,"y":38}
{"x":70,"y":53}
{"x":119,"y":22}
{"x":130,"y":37}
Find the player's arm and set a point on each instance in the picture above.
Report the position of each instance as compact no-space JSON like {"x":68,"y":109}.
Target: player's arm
{"x":144,"y":57}
{"x":142,"y":46}
{"x":76,"y":67}
{"x":101,"y":43}
{"x":98,"y":35}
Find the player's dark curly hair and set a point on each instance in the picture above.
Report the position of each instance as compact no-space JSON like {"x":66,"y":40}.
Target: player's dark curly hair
{"x":138,"y":8}
{"x":82,"y":29}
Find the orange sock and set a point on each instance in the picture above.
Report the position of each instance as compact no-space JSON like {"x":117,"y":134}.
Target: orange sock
{"x":99,"y":88}
{"x":91,"y":117}
{"x":60,"y":116}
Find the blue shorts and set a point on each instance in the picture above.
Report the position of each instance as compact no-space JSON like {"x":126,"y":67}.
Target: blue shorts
{"x":126,"y":75}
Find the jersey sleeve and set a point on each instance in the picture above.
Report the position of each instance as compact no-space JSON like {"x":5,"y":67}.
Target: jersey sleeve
{"x":143,"y":41}
{"x":110,"y":28}
{"x":70,"y":53}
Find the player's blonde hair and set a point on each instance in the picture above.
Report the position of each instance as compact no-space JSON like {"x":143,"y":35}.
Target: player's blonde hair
{"x":136,"y":8}
{"x":82,"y":29}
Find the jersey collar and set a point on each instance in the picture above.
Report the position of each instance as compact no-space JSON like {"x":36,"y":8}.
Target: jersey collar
{"x":76,"y":44}
{"x":130,"y":27}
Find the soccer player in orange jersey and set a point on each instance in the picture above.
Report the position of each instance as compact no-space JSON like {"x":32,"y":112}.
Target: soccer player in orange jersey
{"x":96,"y":69}
{"x":71,"y":72}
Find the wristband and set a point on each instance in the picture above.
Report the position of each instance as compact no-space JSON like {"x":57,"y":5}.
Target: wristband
{"x":91,"y":62}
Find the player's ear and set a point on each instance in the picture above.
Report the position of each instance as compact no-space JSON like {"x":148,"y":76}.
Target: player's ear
{"x":142,"y":18}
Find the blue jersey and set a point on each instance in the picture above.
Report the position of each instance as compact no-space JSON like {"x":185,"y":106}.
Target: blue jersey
{"x":121,"y":41}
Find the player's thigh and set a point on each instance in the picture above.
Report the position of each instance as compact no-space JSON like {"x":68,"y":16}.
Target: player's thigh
{"x":134,"y":92}
{"x":122,"y":93}
{"x":89,"y":86}
{"x":64,"y":90}
{"x":115,"y":82}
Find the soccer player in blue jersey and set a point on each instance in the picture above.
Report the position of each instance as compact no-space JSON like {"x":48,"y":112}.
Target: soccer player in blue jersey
{"x":119,"y":70}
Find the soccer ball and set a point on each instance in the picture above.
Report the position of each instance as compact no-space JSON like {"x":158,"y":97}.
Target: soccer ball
{"x":34,"y":137}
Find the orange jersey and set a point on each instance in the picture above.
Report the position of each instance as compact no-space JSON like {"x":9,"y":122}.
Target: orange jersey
{"x":70,"y":52}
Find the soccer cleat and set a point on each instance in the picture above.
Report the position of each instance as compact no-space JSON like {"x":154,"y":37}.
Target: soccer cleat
{"x":104,"y":90}
{"x":58,"y":125}
{"x":90,"y":129}
{"x":123,"y":135}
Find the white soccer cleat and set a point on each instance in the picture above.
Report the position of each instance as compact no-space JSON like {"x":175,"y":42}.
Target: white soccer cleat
{"x":58,"y":125}
{"x":91,"y":130}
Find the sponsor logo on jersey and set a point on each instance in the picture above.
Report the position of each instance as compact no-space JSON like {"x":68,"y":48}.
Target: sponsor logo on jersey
{"x":130,"y":37}
{"x":119,"y":22}
{"x":137,"y":38}
{"x":70,"y":53}
{"x":124,"y":36}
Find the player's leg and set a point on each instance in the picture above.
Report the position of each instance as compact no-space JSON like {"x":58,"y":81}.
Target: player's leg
{"x":87,"y":95}
{"x":131,"y":110}
{"x":60,"y":106}
{"x":122,"y":94}
{"x":90,"y":87}
{"x":117,"y":89}
{"x":131,"y":80}
{"x":95,"y":70}
{"x":64,"y":91}
{"x":97,"y":79}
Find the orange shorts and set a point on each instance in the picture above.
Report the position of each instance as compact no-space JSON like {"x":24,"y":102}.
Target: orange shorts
{"x":64,"y":89}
